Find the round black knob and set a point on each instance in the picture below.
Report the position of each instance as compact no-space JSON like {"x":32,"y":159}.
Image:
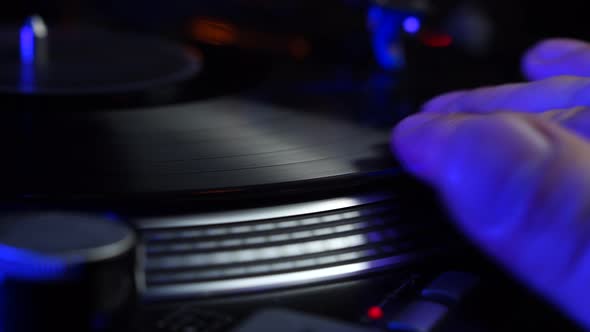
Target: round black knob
{"x":66,"y":272}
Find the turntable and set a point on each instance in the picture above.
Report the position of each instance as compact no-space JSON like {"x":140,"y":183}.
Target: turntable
{"x":152,"y":185}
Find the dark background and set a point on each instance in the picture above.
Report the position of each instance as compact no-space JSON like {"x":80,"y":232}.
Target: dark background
{"x":334,"y":30}
{"x":520,"y":22}
{"x":536,"y":19}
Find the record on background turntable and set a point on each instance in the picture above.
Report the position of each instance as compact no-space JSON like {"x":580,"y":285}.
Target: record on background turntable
{"x":56,"y":147}
{"x":37,"y":60}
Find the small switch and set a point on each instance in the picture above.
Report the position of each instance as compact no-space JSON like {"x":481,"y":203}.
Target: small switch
{"x":450,"y":287}
{"x":273,"y":320}
{"x":419,"y":316}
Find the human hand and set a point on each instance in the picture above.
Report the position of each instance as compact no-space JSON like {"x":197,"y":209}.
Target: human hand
{"x":512,"y":164}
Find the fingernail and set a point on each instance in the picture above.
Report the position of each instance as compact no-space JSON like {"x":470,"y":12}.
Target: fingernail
{"x":553,"y":50}
{"x":488,"y":164}
{"x":442,"y":102}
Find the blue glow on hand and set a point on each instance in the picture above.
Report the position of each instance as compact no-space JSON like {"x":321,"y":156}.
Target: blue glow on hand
{"x":412,"y":25}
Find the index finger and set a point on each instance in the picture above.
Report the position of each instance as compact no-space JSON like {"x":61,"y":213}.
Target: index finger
{"x":555,"y":93}
{"x":555,"y":57}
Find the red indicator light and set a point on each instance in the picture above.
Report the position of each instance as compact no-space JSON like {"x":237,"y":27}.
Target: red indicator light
{"x":375,"y":313}
{"x":436,"y":39}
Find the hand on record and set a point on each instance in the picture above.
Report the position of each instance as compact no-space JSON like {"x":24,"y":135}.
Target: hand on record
{"x":512,"y":163}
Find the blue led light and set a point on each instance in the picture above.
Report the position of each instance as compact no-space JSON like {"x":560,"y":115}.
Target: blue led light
{"x":386,"y":37}
{"x":27,"y":58}
{"x":27,"y":45}
{"x":412,"y":25}
{"x":33,"y":40}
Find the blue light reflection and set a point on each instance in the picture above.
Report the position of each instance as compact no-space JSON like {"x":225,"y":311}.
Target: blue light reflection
{"x":24,"y":265}
{"x":27,"y":58}
{"x":3,"y":316}
{"x":387,"y":26}
{"x":27,"y":45}
{"x":386,"y":37}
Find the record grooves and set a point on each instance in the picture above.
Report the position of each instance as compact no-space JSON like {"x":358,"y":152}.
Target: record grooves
{"x":170,"y":149}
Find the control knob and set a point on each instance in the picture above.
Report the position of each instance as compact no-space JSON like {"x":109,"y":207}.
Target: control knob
{"x":66,"y":272}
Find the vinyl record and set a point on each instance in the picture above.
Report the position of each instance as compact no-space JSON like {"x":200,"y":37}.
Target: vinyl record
{"x":229,"y":142}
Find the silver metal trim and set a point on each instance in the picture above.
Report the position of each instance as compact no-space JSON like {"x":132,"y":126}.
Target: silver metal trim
{"x":110,"y":250}
{"x":284,"y":251}
{"x":261,"y":283}
{"x":139,"y":272}
{"x":280,"y":211}
{"x":38,"y":26}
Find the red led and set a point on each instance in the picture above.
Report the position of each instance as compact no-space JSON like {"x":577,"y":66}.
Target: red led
{"x":375,"y":313}
{"x":436,"y":39}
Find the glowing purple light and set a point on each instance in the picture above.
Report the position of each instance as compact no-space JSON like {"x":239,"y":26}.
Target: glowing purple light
{"x":412,"y":25}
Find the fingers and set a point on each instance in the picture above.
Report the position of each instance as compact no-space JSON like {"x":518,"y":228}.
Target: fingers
{"x":519,"y":186}
{"x":561,"y":65}
{"x":562,"y":92}
{"x":556,"y":57}
{"x":577,"y":120}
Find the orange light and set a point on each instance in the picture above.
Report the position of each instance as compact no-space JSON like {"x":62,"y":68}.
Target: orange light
{"x":299,"y":48}
{"x":222,"y":33}
{"x":214,"y":32}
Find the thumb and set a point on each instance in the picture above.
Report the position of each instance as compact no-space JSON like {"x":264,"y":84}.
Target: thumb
{"x":519,"y":187}
{"x":557,"y":57}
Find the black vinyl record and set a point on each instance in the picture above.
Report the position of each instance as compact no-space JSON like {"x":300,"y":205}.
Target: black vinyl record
{"x":215,"y":144}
